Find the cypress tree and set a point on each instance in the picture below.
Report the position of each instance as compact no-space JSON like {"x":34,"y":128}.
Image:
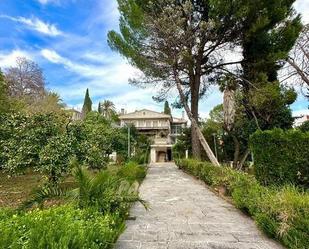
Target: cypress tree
{"x":167,"y":109}
{"x":99,"y":108}
{"x":87,"y":107}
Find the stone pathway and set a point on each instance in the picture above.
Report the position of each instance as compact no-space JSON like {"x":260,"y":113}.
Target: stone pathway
{"x":184,"y":214}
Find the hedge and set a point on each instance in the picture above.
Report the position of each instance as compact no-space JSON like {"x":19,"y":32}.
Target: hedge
{"x":282,"y":213}
{"x":281,"y":157}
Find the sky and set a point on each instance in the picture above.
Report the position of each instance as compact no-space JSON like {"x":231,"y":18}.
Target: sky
{"x":68,"y":39}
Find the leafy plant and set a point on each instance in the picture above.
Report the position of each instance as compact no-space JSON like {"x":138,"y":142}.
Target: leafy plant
{"x":105,"y":191}
{"x":132,"y":172}
{"x":61,"y":227}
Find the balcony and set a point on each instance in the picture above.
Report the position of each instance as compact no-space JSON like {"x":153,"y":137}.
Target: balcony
{"x":152,"y":127}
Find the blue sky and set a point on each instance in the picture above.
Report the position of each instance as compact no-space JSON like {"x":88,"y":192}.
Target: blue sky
{"x":67,"y":38}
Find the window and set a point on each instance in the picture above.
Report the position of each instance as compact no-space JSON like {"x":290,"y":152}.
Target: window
{"x":155,"y":124}
{"x":148,"y":123}
{"x":176,"y":129}
{"x":141,"y":123}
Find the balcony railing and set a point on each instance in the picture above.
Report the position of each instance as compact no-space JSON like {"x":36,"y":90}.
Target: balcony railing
{"x":152,"y":127}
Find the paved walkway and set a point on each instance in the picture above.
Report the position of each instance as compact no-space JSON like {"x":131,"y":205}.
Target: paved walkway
{"x":184,"y":214}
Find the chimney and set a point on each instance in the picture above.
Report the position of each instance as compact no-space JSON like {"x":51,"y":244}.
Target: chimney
{"x":183,"y":115}
{"x":122,"y":111}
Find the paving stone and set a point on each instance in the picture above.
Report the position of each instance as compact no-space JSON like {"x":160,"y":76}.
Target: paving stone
{"x":184,"y":214}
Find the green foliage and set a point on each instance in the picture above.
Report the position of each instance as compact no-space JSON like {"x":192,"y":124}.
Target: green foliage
{"x":281,"y":157}
{"x":304,"y":127}
{"x":22,"y":137}
{"x":55,"y":157}
{"x":46,"y":142}
{"x":94,"y":219}
{"x":61,"y":227}
{"x":4,"y":99}
{"x":271,"y":103}
{"x":87,"y":107}
{"x":108,"y":192}
{"x":97,"y":139}
{"x":167,"y":109}
{"x":108,"y":110}
{"x":282,"y":213}
{"x":183,"y":143}
{"x":132,"y":172}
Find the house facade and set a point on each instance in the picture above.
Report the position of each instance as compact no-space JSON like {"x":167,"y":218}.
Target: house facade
{"x":300,"y":120}
{"x":162,"y":128}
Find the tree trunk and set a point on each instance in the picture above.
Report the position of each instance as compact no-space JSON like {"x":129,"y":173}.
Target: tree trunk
{"x":194,"y":124}
{"x":243,"y":159}
{"x":195,"y":141}
{"x":236,"y":151}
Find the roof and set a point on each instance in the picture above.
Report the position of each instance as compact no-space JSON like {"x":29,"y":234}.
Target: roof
{"x":179,"y":121}
{"x":144,"y":114}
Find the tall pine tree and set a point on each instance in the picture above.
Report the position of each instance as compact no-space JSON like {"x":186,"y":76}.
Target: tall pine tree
{"x":87,"y":107}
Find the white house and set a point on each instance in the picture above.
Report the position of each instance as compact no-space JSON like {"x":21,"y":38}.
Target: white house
{"x":162,"y":128}
{"x":300,"y":120}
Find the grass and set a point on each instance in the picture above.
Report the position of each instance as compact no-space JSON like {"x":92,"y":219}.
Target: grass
{"x":16,"y":189}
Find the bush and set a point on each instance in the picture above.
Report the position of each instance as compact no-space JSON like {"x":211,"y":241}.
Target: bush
{"x":281,"y":157}
{"x":61,"y":227}
{"x":282,"y":213}
{"x":132,"y":172}
{"x":23,"y":136}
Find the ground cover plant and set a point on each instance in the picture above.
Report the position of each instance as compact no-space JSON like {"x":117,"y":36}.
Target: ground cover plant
{"x":91,"y":214}
{"x":281,"y":212}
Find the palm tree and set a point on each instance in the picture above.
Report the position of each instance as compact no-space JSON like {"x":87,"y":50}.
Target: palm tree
{"x":107,"y":109}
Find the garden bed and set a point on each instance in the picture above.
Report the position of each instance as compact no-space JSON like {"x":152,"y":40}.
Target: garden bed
{"x":90,"y":216}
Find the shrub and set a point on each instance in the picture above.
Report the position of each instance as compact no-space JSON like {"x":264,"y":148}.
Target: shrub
{"x":23,"y":136}
{"x":132,"y":172}
{"x":61,"y":227}
{"x":281,"y":157}
{"x":104,"y":191}
{"x":282,"y":213}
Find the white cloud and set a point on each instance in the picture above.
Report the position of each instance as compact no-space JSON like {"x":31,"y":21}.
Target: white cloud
{"x":36,"y":24}
{"x":117,"y":71}
{"x":9,"y":59}
{"x":47,"y":1}
{"x":302,"y":6}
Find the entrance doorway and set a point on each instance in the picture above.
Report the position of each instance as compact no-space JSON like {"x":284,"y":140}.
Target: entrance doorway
{"x":161,"y":157}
